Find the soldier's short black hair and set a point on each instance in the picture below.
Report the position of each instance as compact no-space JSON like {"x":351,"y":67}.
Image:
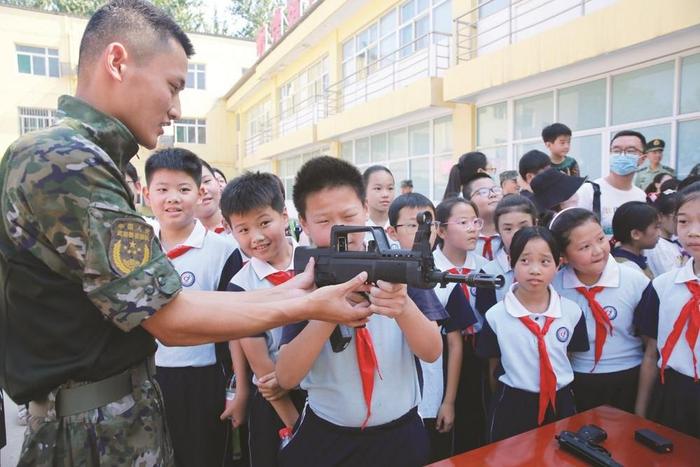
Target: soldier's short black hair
{"x":551,"y":132}
{"x":138,"y":24}
{"x":408,"y":200}
{"x":178,"y":159}
{"x":252,"y":190}
{"x":131,"y":172}
{"x":325,"y":172}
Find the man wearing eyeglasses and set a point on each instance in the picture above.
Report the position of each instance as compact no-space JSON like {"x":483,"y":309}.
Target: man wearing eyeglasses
{"x":616,"y":188}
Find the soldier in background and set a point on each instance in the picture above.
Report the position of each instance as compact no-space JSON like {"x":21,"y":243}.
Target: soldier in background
{"x":85,"y":284}
{"x":654,"y":153}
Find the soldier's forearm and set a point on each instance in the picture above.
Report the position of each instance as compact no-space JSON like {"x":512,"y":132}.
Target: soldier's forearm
{"x":196,"y":317}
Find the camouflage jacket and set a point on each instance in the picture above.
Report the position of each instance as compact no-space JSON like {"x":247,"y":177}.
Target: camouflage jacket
{"x":79,"y":268}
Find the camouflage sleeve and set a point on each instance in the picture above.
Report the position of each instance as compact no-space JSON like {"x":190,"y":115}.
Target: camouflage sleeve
{"x":70,"y":209}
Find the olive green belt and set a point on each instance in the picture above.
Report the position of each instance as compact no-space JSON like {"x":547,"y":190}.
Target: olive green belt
{"x":74,"y":400}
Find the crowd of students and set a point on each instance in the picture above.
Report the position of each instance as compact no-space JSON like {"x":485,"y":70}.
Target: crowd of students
{"x":601,"y":306}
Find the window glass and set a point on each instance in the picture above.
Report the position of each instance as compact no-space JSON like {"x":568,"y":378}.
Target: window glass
{"x":405,"y":39}
{"x":643,"y":94}
{"x":492,"y":124}
{"x":498,"y":157}
{"x":54,"y":70}
{"x":441,"y":172}
{"x":420,"y":139}
{"x":24,"y":63}
{"x":387,"y":23}
{"x":348,"y":49}
{"x":532,"y":114}
{"x":420,"y":175}
{"x":362,"y":151}
{"x":408,"y":10}
{"x":379,"y":148}
{"x":688,"y":146}
{"x":346,"y":151}
{"x":399,"y":170}
{"x":442,"y":18}
{"x":39,"y":65}
{"x":658,"y":131}
{"x":491,"y":6}
{"x":586,"y":151}
{"x":442,"y":131}
{"x":522,"y":148}
{"x":690,"y":84}
{"x":398,"y":144}
{"x":582,"y":107}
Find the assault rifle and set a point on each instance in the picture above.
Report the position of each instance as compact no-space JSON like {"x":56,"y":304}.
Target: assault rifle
{"x":414,"y":267}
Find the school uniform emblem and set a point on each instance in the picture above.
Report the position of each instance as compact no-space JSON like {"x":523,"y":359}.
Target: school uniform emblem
{"x":187,"y":278}
{"x":130,"y":245}
{"x":562,"y":334}
{"x":611,"y":312}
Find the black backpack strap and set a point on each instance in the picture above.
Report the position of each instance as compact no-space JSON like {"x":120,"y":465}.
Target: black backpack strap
{"x":596,"y":199}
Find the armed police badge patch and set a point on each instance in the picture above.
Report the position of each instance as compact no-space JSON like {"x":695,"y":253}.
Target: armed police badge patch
{"x":130,"y":245}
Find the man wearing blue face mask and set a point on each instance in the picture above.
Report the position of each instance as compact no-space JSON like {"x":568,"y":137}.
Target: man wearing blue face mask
{"x":616,"y":188}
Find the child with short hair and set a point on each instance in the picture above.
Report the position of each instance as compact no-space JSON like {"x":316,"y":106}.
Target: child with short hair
{"x":608,"y":294}
{"x":209,"y":211}
{"x":513,"y":213}
{"x":668,"y":322}
{"x":459,"y":229}
{"x":668,"y":253}
{"x":483,"y":191}
{"x":527,"y":337}
{"x":530,"y":164}
{"x":191,"y":381}
{"x":557,"y":138}
{"x":379,"y":185}
{"x":636,"y":227}
{"x":437,"y":406}
{"x":351,"y":417}
{"x":255,"y":210}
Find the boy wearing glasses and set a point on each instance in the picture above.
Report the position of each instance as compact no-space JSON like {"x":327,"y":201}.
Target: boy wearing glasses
{"x":616,"y":188}
{"x":437,"y":407}
{"x":484,"y":192}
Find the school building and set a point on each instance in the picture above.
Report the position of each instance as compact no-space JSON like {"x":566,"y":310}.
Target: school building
{"x":39,"y":54}
{"x":413,"y":84}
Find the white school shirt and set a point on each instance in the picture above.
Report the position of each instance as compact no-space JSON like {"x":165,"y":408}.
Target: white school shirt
{"x":474,"y":263}
{"x":370,"y":223}
{"x":505,"y":336}
{"x":200,"y":269}
{"x":664,"y":257}
{"x":610,"y":199}
{"x":252,"y":276}
{"x":500,"y":265}
{"x":496,"y":244}
{"x":670,"y":296}
{"x":623,"y":291}
{"x":433,"y":388}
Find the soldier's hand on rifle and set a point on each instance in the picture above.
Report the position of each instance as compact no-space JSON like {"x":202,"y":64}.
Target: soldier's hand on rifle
{"x":332,"y":303}
{"x":388,"y":299}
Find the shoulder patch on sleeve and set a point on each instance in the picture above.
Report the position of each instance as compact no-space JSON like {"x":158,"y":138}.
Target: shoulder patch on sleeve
{"x":130,"y":245}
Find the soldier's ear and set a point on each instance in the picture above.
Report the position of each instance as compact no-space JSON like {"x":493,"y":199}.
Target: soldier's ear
{"x":114,"y":60}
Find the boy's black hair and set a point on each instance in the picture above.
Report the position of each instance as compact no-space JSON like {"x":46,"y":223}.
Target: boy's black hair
{"x":551,"y":132}
{"x":532,"y":162}
{"x":252,"y":190}
{"x":178,"y":159}
{"x":523,"y":236}
{"x":467,"y":190}
{"x":666,"y":203}
{"x":444,"y":210}
{"x":372,"y":169}
{"x":138,"y":24}
{"x":630,"y":133}
{"x":460,"y":173}
{"x":567,"y":221}
{"x":687,"y":181}
{"x":325,"y":172}
{"x":687,"y":194}
{"x":632,"y":215}
{"x":131,"y":172}
{"x":408,"y":200}
{"x":515,"y":203}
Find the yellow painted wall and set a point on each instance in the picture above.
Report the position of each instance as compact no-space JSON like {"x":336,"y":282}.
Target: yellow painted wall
{"x":623,"y":24}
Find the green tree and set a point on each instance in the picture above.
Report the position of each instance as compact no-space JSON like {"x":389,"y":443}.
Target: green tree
{"x":252,"y":13}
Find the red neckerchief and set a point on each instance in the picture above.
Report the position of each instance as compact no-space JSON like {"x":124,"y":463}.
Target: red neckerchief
{"x":367,"y":363}
{"x":219,"y":229}
{"x":548,"y":379}
{"x":690,"y":314}
{"x":602,"y":320}
{"x":487,"y":250}
{"x":178,"y":251}
{"x":279,"y":277}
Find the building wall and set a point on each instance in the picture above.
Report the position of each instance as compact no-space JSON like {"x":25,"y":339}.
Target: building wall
{"x":225,"y":60}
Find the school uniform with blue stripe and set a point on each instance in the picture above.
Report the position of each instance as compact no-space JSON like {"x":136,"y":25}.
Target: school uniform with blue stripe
{"x":676,"y":401}
{"x":515,"y":404}
{"x":329,"y":430}
{"x":614,"y":379}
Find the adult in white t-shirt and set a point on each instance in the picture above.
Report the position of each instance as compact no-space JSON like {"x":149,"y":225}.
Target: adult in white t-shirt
{"x":626,"y":155}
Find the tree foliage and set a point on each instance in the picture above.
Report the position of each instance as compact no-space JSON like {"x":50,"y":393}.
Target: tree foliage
{"x":252,"y":14}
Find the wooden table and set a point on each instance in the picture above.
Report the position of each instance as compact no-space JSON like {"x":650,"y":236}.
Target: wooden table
{"x":538,"y":447}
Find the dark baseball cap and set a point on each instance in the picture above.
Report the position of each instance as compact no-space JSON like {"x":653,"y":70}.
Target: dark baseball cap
{"x":552,"y":187}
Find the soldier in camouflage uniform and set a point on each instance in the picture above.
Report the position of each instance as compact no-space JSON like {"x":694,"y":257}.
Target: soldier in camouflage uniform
{"x":85,"y":284}
{"x":653,"y":166}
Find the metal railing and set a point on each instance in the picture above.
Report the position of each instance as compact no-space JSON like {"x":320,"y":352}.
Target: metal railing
{"x":263,"y":136}
{"x":475,"y":34}
{"x":426,"y":56}
{"x":302,"y":114}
